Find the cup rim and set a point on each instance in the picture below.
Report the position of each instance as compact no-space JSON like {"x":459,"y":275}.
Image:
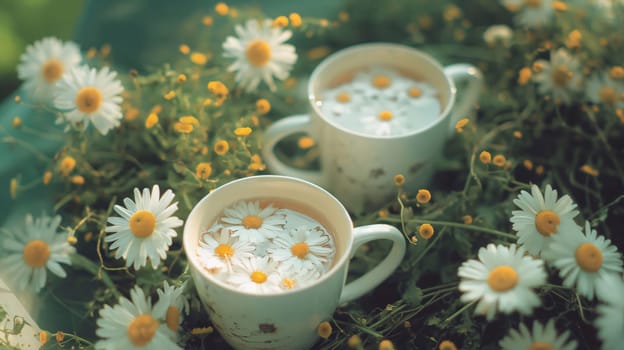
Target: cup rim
{"x":188,"y":244}
{"x":376,"y":46}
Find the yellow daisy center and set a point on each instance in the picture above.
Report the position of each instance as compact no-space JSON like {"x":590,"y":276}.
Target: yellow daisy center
{"x":414,"y":92}
{"x":252,"y":221}
{"x":381,"y":81}
{"x":258,"y":277}
{"x":52,"y":70}
{"x":173,"y":318}
{"x":561,"y":75}
{"x":588,"y":257}
{"x":502,"y":278}
{"x":546,"y":222}
{"x":258,"y":53}
{"x":142,"y":223}
{"x":608,"y":95}
{"x":224,"y":251}
{"x":343,"y":97}
{"x":385,"y":115}
{"x":540,"y":345}
{"x":533,"y":3}
{"x":142,"y":329}
{"x":288,"y":283}
{"x":36,"y":253}
{"x":88,"y":99}
{"x":300,"y":250}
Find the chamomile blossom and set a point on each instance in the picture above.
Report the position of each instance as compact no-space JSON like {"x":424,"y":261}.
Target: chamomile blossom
{"x":44,"y":63}
{"x":602,"y":89}
{"x":27,"y":255}
{"x":541,"y":217}
{"x":87,"y":95}
{"x":498,"y":34}
{"x":259,"y":53}
{"x":145,"y":228}
{"x":251,"y":223}
{"x":381,"y":118}
{"x":540,"y":337}
{"x":135,"y":324}
{"x":176,"y":303}
{"x":531,"y":13}
{"x":610,"y":320}
{"x":218,"y":250}
{"x":584,"y":261}
{"x":561,"y":77}
{"x":257,"y":275}
{"x":303,"y":248}
{"x":292,"y":279}
{"x":502,"y":279}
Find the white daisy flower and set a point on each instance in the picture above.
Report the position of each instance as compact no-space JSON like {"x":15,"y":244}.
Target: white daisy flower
{"x":531,"y":13}
{"x":218,"y":250}
{"x":302,"y":248}
{"x":501,"y":280}
{"x":384,"y":118}
{"x":251,"y":223}
{"x":177,"y":304}
{"x":293,"y":279}
{"x":584,"y":260}
{"x":260,"y":54}
{"x":602,"y":89}
{"x":498,"y":34}
{"x":610,"y":320}
{"x":44,"y":63}
{"x":86,"y":95}
{"x":542,"y":337}
{"x":27,"y":255}
{"x":257,"y":275}
{"x":561,"y":77}
{"x":135,"y":324}
{"x":541,"y":217}
{"x":145,"y":228}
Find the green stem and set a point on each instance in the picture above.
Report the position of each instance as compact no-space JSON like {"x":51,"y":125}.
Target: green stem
{"x":459,"y":312}
{"x":457,"y":225}
{"x":88,"y":265}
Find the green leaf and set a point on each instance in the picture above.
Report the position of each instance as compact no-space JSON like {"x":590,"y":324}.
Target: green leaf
{"x":413,"y":295}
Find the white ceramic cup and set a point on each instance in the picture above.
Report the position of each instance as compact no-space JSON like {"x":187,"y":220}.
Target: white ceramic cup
{"x":286,"y":320}
{"x":358,"y":168}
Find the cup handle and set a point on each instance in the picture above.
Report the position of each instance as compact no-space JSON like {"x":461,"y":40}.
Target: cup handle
{"x":278,"y":131}
{"x":463,"y":72}
{"x":374,"y":277}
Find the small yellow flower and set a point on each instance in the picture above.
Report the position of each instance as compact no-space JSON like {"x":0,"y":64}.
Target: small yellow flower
{"x":152,"y":119}
{"x":528,"y":164}
{"x":524,"y":75}
{"x":246,"y":131}
{"x":539,"y":170}
{"x":407,"y":324}
{"x":184,"y":49}
{"x":290,"y":82}
{"x":499,"y":160}
{"x":17,"y":98}
{"x":485,"y":157}
{"x":47,"y":177}
{"x":204,"y":150}
{"x":218,"y":89}
{"x":183,"y":128}
{"x":559,"y":6}
{"x":131,"y":114}
{"x":181,"y":78}
{"x":221,"y":147}
{"x":207,"y":21}
{"x":189,"y":119}
{"x":517,"y":134}
{"x":16,"y":122}
{"x":203,"y":170}
{"x":13,"y":188}
{"x":256,"y":166}
{"x":254,"y":120}
{"x":573,"y":40}
{"x":447,"y":345}
{"x":156,"y":109}
{"x":295,"y":19}
{"x":305,"y":142}
{"x":169,"y":95}
{"x":199,"y":58}
{"x":202,"y":330}
{"x":620,"y":114}
{"x":263,"y":106}
{"x":423,"y":196}
{"x":589,"y":170}
{"x":426,"y":231}
{"x":414,"y":239}
{"x":386,"y":344}
{"x":616,"y":72}
{"x":68,"y":163}
{"x":60,"y":335}
{"x":280,"y":21}
{"x":71,"y":240}
{"x":78,"y":180}
{"x":318,"y":52}
{"x":105,"y":50}
{"x":398,"y":180}
{"x":354,"y":341}
{"x":451,"y":12}
{"x":88,"y":236}
{"x":467,"y":219}
{"x":383,"y":213}
{"x":459,"y":126}
{"x":343,"y":16}
{"x":324,"y":330}
{"x":43,"y":337}
{"x":222,"y":9}
{"x":91,"y":53}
